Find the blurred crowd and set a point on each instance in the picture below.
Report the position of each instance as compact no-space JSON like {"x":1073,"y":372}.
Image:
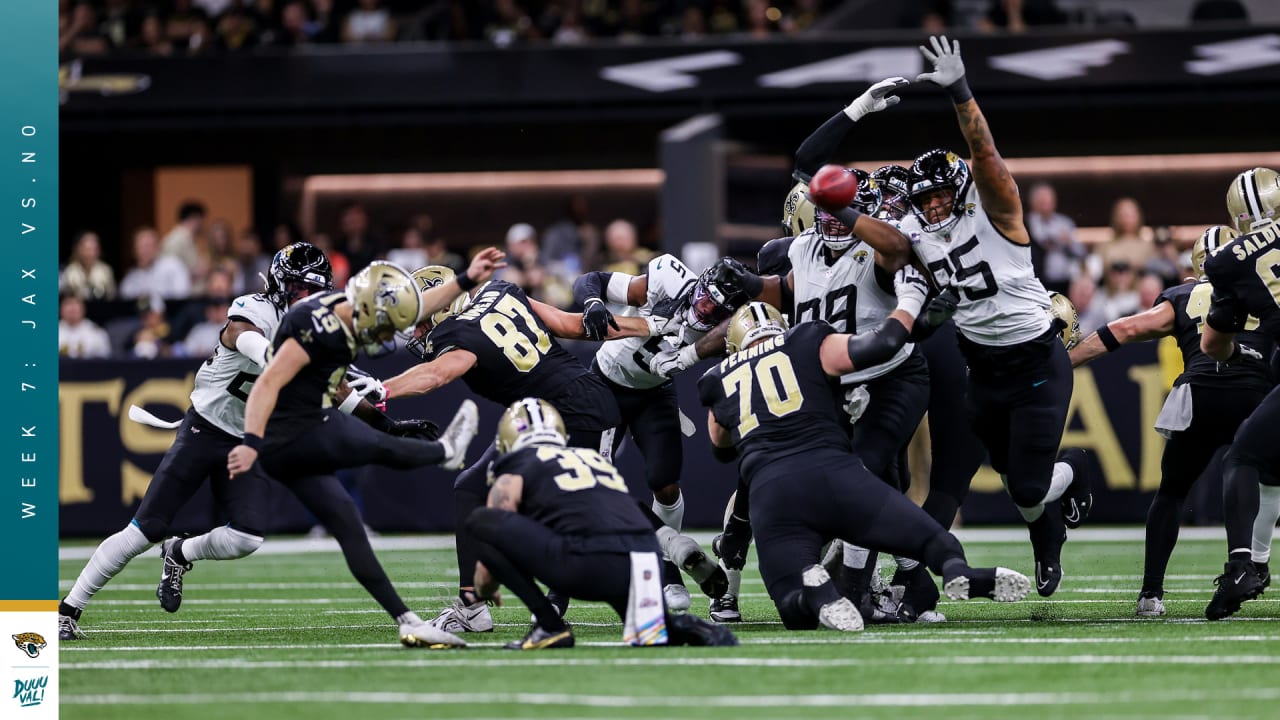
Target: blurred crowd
{"x":172,"y":297}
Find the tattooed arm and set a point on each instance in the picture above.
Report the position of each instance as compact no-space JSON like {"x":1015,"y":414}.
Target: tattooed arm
{"x":506,"y":493}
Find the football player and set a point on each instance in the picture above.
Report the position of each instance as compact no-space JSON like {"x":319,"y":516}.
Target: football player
{"x":1208,"y":402}
{"x":293,"y":434}
{"x":967,"y":227}
{"x":777,"y":399}
{"x":213,"y":425}
{"x":562,"y":515}
{"x":503,"y":345}
{"x":1246,"y":285}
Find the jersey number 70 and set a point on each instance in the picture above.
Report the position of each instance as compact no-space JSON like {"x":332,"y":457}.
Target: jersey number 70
{"x":781,"y":395}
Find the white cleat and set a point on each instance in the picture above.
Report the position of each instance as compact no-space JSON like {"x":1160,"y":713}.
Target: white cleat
{"x":1150,"y":607}
{"x":423,"y":635}
{"x":677,"y":597}
{"x":458,"y":436}
{"x":460,"y":618}
{"x":931,"y":616}
{"x":839,"y":614}
{"x":1011,"y":585}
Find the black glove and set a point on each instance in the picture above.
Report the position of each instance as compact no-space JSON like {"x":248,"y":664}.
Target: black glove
{"x":738,"y":283}
{"x":941,"y":308}
{"x":1226,"y":313}
{"x":596,"y":319}
{"x":420,"y":429}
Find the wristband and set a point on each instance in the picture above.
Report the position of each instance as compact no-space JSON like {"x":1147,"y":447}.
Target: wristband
{"x":1108,"y":338}
{"x":349,"y":403}
{"x":252,"y":441}
{"x":465,"y":282}
{"x":959,"y":91}
{"x":911,"y":303}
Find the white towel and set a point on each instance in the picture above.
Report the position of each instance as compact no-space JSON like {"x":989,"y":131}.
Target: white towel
{"x":646,"y":622}
{"x":1175,"y":416}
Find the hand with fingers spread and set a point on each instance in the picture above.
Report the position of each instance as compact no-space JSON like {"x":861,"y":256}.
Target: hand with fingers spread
{"x":483,"y":266}
{"x":948,"y":68}
{"x":878,"y":97}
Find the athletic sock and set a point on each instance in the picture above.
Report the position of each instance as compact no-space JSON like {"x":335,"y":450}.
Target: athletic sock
{"x":107,"y":561}
{"x":1264,"y":525}
{"x":1062,"y":477}
{"x":672,"y":515}
{"x":735,"y":580}
{"x":222,"y":543}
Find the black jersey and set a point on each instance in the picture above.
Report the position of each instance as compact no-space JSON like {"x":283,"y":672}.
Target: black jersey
{"x":516,"y":356}
{"x":776,"y":399}
{"x":773,"y":258}
{"x":1248,"y":269}
{"x":331,"y":347}
{"x":573,"y":491}
{"x":1190,"y":304}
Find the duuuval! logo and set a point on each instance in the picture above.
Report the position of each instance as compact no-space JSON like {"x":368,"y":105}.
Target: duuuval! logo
{"x":30,"y":693}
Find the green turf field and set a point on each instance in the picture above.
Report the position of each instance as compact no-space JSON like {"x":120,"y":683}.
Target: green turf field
{"x":291,"y":635}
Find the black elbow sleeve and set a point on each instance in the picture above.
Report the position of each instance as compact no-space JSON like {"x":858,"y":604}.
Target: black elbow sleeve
{"x":820,"y":145}
{"x":878,"y":345}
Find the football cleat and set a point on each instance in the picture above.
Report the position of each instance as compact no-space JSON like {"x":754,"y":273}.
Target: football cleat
{"x":539,"y":639}
{"x":1048,"y":577}
{"x":457,"y":437}
{"x":685,"y":552}
{"x":1150,"y":605}
{"x":1264,"y":572}
{"x":558,"y":601}
{"x":840,"y":614}
{"x":1077,"y":501}
{"x":677,"y":597}
{"x":1238,"y":582}
{"x":724,"y":609}
{"x":1010,"y":586}
{"x":918,"y":589}
{"x":461,"y":617}
{"x":696,"y":632}
{"x":69,"y":629}
{"x":169,"y":591}
{"x":421,"y":634}
{"x":931,"y":616}
{"x":1047,"y":537}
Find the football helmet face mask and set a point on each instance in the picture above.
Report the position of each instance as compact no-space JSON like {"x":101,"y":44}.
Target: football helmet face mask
{"x":797,"y":211}
{"x":893,"y":181}
{"x":1208,"y":243}
{"x":383,"y":303}
{"x":753,"y":322}
{"x":530,"y":421}
{"x":296,"y":271}
{"x":713,"y":298}
{"x":1064,"y":313}
{"x":939,"y":182}
{"x":837,"y":236}
{"x":1253,"y":198}
{"x":423,"y":280}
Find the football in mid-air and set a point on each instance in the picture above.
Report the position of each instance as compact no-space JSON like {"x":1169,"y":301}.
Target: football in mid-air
{"x":833,"y":187}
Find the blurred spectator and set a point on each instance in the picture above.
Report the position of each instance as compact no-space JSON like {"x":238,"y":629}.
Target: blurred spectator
{"x":119,"y":22}
{"x":1082,"y":294}
{"x":1164,"y":263}
{"x":525,"y":268}
{"x":79,"y":337}
{"x":186,"y":26}
{"x":219,"y":291}
{"x":1130,"y":239}
{"x":220,"y":253}
{"x":203,"y":337}
{"x":1054,"y":234}
{"x":411,"y":254}
{"x":693,"y":23}
{"x":81,"y":36}
{"x":357,"y":242}
{"x":623,"y":251}
{"x":154,"y":274}
{"x":85,"y":275}
{"x":152,"y":39}
{"x":293,"y":26}
{"x":723,"y":18}
{"x":182,"y":240}
{"x":1149,"y":289}
{"x":284,"y":235}
{"x":215,"y":8}
{"x":930,"y":16}
{"x":369,"y":22}
{"x":1119,"y":294}
{"x":761,"y":19}
{"x":152,"y":337}
{"x":341,"y":266}
{"x":237,"y":28}
{"x":566,"y":27}
{"x":562,"y":240}
{"x":1015,"y":16}
{"x":803,"y":14}
{"x":251,"y":263}
{"x":323,"y":26}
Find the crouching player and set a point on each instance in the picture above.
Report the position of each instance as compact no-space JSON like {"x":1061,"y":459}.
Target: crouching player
{"x":562,"y":515}
{"x":776,"y":403}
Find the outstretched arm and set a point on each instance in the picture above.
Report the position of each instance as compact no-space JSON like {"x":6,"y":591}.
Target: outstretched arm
{"x":996,"y":187}
{"x":841,"y":353}
{"x":1148,"y":325}
{"x":816,"y":149}
{"x":573,"y":326}
{"x":422,"y":379}
{"x":482,"y":267}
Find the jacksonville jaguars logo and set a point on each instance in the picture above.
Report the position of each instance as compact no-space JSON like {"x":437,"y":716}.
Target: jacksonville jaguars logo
{"x":860,"y":256}
{"x":30,"y":643}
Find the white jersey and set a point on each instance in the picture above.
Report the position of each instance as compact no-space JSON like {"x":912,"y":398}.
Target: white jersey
{"x":225,"y":378}
{"x":845,"y":293}
{"x":1001,"y":300}
{"x":626,"y":362}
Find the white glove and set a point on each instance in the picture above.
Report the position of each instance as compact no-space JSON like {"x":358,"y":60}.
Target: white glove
{"x":659,"y":325}
{"x":911,"y":289}
{"x":369,"y":388}
{"x":669,"y":362}
{"x":856,"y":401}
{"x":876,"y":98}
{"x":948,"y":68}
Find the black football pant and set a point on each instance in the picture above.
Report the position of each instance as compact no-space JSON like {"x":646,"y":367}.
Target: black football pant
{"x":881,"y":436}
{"x":800,"y":504}
{"x":200,"y":451}
{"x":304,"y":463}
{"x":1253,"y":460}
{"x":956,"y":451}
{"x":652,"y":417}
{"x":1216,"y":413}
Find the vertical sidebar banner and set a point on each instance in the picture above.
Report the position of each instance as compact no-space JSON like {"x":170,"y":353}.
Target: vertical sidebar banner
{"x":29,"y":380}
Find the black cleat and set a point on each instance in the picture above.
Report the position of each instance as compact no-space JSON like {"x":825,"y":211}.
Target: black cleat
{"x":1077,"y":501}
{"x":1264,"y":573}
{"x":1048,"y":577}
{"x":69,"y":629}
{"x":1238,"y":582}
{"x":696,"y":632}
{"x":539,"y":639}
{"x":1047,"y":537}
{"x":724,"y":609}
{"x":170,"y":588}
{"x":920,"y":592}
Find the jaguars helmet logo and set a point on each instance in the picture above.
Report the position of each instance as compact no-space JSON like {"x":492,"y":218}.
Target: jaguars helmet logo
{"x":30,"y":643}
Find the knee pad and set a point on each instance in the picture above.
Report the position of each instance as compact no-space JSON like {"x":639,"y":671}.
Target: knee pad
{"x":1028,"y":494}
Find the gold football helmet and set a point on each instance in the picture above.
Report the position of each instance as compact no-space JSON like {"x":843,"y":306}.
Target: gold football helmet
{"x":424,"y":279}
{"x":753,"y":321}
{"x":1208,"y":244}
{"x":1064,"y":311}
{"x":383,"y":302}
{"x":797,"y":211}
{"x":1253,"y":197}
{"x":530,"y":421}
